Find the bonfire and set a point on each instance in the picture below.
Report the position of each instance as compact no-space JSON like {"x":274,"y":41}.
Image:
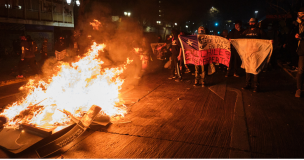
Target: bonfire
{"x":73,"y":89}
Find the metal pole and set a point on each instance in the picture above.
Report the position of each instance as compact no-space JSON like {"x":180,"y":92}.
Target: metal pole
{"x":39,"y":10}
{"x":52,"y":10}
{"x":73,"y":12}
{"x":24,"y":9}
{"x":8,"y":2}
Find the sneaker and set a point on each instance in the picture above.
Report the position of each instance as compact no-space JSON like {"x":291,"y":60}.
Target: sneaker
{"x":248,"y":86}
{"x":172,"y":77}
{"x":196,"y":83}
{"x":236,"y":75}
{"x":20,"y":76}
{"x":256,"y":89}
{"x":298,"y":93}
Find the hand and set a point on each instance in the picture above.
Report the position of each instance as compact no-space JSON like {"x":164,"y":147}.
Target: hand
{"x":297,"y":35}
{"x":22,"y":59}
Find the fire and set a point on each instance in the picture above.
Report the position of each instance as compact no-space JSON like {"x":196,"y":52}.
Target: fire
{"x":75,"y":88}
{"x":95,"y":24}
{"x":136,"y":50}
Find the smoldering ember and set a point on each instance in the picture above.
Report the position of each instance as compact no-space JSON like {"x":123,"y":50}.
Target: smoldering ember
{"x":151,"y":79}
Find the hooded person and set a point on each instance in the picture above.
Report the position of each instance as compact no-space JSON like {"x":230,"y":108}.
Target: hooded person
{"x":300,"y":51}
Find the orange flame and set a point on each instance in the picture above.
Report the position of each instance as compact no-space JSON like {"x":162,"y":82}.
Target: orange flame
{"x":74,"y":88}
{"x":95,"y":24}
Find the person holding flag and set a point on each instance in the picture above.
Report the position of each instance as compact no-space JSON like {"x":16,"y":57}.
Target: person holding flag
{"x":253,"y":32}
{"x":201,"y":78}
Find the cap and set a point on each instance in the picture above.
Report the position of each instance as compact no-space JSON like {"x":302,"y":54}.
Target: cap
{"x":252,"y":20}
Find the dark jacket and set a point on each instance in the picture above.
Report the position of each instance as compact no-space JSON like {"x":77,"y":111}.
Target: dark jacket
{"x":257,"y":33}
{"x":175,"y":45}
{"x":235,"y":34}
{"x":300,"y":50}
{"x":60,"y":46}
{"x":29,"y":48}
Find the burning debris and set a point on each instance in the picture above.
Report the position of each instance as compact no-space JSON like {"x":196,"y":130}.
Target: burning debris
{"x":73,"y":89}
{"x":80,"y":93}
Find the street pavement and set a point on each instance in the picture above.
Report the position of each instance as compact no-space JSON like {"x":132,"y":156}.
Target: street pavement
{"x":168,"y":119}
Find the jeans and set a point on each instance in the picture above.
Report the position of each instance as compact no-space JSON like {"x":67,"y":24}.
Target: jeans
{"x":300,"y":72}
{"x":256,"y":79}
{"x":174,"y":66}
{"x":201,"y":77}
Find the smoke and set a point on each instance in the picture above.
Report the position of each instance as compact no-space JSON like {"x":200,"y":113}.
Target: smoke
{"x":120,"y":37}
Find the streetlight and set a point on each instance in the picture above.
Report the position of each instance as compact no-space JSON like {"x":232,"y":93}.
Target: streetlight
{"x":186,"y":26}
{"x":256,"y":14}
{"x":68,"y":2}
{"x":72,"y":1}
{"x":175,"y":24}
{"x":216,"y":24}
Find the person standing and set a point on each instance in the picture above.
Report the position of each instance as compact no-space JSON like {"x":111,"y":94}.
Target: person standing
{"x":28,"y":48}
{"x":300,"y":37}
{"x":43,"y":51}
{"x":176,"y":49}
{"x":235,"y":33}
{"x":201,"y":78}
{"x":60,"y":49}
{"x":253,"y":32}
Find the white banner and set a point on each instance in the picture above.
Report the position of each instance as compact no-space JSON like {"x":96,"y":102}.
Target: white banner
{"x":255,"y":53}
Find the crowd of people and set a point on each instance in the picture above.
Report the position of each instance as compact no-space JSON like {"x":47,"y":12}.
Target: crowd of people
{"x":289,"y":49}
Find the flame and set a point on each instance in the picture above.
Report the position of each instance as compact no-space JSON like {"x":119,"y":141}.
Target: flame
{"x":95,"y":24}
{"x":75,"y":88}
{"x":136,"y":50}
